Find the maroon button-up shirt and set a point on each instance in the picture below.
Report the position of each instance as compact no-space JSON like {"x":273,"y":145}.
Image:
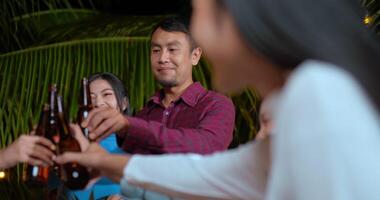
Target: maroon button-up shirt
{"x":200,"y":121}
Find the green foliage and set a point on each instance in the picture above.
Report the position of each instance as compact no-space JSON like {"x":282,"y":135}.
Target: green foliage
{"x":26,"y":74}
{"x":85,"y":43}
{"x":21,"y":20}
{"x":48,"y":41}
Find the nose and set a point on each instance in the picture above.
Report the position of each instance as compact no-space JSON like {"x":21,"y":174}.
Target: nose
{"x":164,"y":56}
{"x":98,"y":101}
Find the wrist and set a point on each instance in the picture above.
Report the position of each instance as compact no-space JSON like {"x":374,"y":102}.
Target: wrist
{"x":115,"y":166}
{"x":7,"y":160}
{"x":123,"y":131}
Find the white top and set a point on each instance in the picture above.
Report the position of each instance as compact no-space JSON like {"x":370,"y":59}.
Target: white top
{"x":326,"y":146}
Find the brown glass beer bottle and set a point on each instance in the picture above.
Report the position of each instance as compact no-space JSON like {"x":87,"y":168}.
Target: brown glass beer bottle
{"x":85,"y":104}
{"x":37,"y":176}
{"x":73,"y":175}
{"x":52,"y":131}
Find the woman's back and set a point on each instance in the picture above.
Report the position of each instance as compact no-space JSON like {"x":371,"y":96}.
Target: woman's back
{"x":327,"y":135}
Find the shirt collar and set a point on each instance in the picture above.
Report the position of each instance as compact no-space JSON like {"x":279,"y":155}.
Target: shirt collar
{"x":191,"y":95}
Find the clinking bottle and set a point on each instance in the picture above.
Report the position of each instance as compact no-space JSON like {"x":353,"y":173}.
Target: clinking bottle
{"x":52,"y":130}
{"x":37,"y":176}
{"x":73,"y":175}
{"x":85,"y":105}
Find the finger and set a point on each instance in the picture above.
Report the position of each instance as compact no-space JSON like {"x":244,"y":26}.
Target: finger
{"x":79,"y":136}
{"x":97,"y":119}
{"x":92,"y":113}
{"x":104,"y":129}
{"x":43,"y":154}
{"x":46,"y":143}
{"x":103,"y":136}
{"x":35,"y":162}
{"x":68,"y":157}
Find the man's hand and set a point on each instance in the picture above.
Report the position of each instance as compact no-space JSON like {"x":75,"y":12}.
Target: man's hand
{"x":34,"y":150}
{"x":93,"y":156}
{"x":103,"y":121}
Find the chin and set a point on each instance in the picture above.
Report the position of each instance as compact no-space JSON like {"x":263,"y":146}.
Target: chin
{"x":168,"y":83}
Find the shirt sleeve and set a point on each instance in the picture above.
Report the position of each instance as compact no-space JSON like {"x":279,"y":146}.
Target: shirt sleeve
{"x":326,"y":144}
{"x":213,"y":133}
{"x":235,"y":174}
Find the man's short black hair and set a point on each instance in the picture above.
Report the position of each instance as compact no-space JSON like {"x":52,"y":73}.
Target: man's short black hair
{"x":176,"y":24}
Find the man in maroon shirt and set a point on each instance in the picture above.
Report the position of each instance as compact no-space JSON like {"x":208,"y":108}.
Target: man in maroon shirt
{"x":183,"y":116}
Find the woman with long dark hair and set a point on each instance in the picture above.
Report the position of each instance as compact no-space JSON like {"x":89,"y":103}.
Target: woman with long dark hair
{"x":323,"y":62}
{"x":107,"y":91}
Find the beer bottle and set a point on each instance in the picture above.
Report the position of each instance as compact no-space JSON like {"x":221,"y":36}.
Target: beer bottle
{"x":37,"y":176}
{"x":73,"y":175}
{"x":52,"y":131}
{"x":85,"y":104}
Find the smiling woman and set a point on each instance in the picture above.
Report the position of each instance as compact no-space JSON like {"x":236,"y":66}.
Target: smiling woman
{"x":107,"y":91}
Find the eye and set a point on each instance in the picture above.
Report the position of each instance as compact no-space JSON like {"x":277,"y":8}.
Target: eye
{"x":107,"y":94}
{"x":155,"y":50}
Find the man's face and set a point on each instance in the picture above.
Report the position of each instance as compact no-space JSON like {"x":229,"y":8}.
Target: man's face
{"x":172,"y":58}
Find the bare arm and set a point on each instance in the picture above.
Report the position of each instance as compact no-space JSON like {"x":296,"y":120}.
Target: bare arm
{"x":237,"y":174}
{"x":241,"y":173}
{"x":96,"y":158}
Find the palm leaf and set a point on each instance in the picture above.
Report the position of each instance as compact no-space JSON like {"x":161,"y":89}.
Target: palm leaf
{"x":116,"y":44}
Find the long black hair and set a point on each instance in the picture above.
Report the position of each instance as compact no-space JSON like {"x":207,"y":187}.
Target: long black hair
{"x":117,"y":86}
{"x":290,"y":31}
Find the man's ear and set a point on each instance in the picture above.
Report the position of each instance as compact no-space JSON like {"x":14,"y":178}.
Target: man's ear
{"x":196,"y":55}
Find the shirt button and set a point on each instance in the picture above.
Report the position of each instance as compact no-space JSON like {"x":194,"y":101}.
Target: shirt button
{"x":166,"y":112}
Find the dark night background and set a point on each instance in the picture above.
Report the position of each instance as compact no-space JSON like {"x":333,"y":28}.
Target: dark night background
{"x":144,"y":7}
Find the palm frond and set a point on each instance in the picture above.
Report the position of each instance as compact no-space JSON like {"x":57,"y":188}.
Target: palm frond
{"x":92,"y":43}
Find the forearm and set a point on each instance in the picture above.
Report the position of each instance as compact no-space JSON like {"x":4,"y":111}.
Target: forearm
{"x":112,"y":165}
{"x":3,"y":163}
{"x":238,"y":174}
{"x":6,"y":160}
